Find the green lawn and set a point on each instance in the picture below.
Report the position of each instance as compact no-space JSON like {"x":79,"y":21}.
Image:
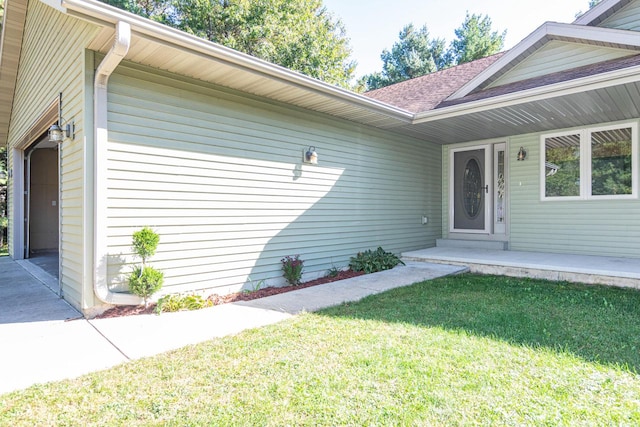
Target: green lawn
{"x":465,"y":350}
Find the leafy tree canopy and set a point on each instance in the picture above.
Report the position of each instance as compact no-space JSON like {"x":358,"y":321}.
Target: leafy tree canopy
{"x":413,"y":55}
{"x":475,"y":40}
{"x":416,"y":54}
{"x":298,"y":34}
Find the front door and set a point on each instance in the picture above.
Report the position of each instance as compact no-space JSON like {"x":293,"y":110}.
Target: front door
{"x":471,"y":192}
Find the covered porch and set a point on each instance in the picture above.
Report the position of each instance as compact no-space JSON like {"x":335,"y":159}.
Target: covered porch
{"x":613,"y":271}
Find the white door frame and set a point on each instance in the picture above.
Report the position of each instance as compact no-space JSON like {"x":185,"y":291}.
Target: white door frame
{"x":500,"y":184}
{"x":16,"y":173}
{"x":488,"y":172}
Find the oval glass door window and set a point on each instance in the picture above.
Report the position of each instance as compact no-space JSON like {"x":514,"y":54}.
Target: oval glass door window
{"x":472,"y":188}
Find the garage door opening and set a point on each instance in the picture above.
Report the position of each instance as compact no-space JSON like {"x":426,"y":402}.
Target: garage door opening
{"x":42,"y":205}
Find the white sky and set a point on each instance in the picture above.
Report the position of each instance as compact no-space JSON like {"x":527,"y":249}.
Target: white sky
{"x":373,"y":25}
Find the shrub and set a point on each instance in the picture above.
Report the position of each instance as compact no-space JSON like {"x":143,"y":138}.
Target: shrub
{"x":145,"y":243}
{"x":333,"y":272}
{"x":292,"y":269}
{"x":372,"y":261}
{"x":145,"y":280}
{"x":171,"y":303}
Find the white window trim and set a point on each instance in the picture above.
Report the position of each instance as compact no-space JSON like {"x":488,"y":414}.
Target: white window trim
{"x":585,"y":163}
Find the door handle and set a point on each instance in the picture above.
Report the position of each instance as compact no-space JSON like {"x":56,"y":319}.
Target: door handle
{"x":486,"y":188}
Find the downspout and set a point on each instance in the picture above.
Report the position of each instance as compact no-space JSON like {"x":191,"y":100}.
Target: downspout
{"x":115,"y":55}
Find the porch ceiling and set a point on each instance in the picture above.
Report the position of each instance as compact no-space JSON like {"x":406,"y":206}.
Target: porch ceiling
{"x":608,"y":104}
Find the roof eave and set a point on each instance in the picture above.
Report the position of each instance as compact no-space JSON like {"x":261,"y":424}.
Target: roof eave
{"x":612,"y":78}
{"x":147,"y":28}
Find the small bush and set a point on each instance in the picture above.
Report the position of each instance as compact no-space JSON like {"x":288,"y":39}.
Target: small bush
{"x":145,"y":243}
{"x":145,"y":281}
{"x":171,"y":303}
{"x":292,"y":269}
{"x":371,"y":261}
{"x":333,"y":272}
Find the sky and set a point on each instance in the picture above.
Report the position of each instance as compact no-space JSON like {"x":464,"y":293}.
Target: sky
{"x":373,"y":25}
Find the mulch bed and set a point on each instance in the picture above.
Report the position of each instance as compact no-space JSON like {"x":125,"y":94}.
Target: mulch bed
{"x":131,"y":310}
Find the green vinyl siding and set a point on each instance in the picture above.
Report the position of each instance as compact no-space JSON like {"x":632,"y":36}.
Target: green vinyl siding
{"x":48,"y":66}
{"x":220,"y":177}
{"x":628,"y":18}
{"x":590,"y":227}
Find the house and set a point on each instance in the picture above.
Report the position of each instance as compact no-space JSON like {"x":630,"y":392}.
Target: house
{"x":535,"y":149}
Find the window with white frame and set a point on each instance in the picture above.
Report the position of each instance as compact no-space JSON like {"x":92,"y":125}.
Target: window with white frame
{"x":592,"y":163}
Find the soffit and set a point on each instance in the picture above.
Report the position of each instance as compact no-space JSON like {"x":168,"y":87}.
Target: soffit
{"x":15,"y":13}
{"x":185,"y":55}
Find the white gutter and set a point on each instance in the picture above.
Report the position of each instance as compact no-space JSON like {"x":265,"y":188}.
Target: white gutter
{"x":122,"y":41}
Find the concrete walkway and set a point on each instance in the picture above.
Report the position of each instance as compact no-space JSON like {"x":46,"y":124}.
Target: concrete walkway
{"x":44,"y":339}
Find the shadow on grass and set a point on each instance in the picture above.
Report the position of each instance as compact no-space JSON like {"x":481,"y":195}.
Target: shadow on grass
{"x":598,"y":324}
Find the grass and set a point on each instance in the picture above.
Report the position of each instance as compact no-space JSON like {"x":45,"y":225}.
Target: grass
{"x":464,"y":350}
{"x":4,"y":250}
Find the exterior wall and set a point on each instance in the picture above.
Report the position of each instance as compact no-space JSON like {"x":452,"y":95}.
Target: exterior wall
{"x":221,"y":179}
{"x":588,"y":227}
{"x":628,"y":18}
{"x":559,"y":56}
{"x":591,"y":227}
{"x":49,"y":66}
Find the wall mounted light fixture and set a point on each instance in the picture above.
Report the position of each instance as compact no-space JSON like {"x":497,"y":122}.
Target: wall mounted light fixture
{"x":58,"y":132}
{"x":522,"y":154}
{"x":310,"y":156}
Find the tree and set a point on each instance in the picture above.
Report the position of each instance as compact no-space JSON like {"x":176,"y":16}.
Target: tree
{"x":475,"y":40}
{"x":1,"y":14}
{"x":414,"y":54}
{"x":297,"y":34}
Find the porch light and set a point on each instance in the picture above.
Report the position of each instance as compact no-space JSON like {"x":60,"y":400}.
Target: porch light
{"x":522,"y":154}
{"x":311,"y":156}
{"x":58,"y":134}
{"x":57,"y":131}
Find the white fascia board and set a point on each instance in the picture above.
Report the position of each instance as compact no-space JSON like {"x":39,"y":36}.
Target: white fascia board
{"x":612,"y":78}
{"x":180,"y":39}
{"x":623,"y":38}
{"x":595,"y":12}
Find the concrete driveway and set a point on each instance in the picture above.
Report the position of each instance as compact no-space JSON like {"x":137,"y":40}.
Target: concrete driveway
{"x":44,"y":338}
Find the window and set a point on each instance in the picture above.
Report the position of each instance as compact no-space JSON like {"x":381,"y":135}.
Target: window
{"x":590,"y":164}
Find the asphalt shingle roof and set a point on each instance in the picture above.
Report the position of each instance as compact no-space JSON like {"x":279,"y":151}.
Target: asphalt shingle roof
{"x":426,"y":92}
{"x":431,"y":91}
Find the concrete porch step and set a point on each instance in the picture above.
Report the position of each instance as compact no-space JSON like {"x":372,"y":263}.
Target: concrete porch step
{"x":492,"y":245}
{"x":590,"y":269}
